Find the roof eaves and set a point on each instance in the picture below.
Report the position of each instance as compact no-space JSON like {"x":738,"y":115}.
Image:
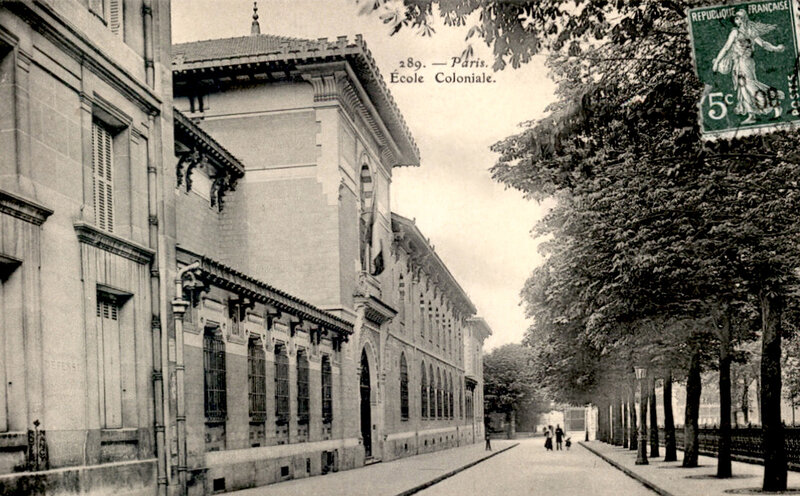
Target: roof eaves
{"x":211,"y":145}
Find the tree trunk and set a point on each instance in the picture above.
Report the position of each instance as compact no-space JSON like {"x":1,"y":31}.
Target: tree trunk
{"x":602,"y":421}
{"x":616,"y":421}
{"x":623,"y":411}
{"x":724,"y":447}
{"x":772,"y":437}
{"x":745,"y":402}
{"x":670,"y":447}
{"x":654,"y":452}
{"x":634,"y":433}
{"x":690,"y":426}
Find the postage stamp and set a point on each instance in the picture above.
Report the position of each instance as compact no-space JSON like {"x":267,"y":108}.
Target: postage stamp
{"x":746,"y":55}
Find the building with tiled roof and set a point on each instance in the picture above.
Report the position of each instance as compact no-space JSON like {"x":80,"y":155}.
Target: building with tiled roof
{"x":318,"y":134}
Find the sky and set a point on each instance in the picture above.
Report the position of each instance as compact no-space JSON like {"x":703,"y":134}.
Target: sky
{"x":479,"y":229}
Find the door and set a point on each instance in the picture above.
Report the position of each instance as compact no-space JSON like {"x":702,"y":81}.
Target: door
{"x":366,"y":409}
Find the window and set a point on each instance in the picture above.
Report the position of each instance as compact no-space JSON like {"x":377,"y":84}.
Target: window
{"x":401,"y":304}
{"x":452,"y":396}
{"x":102,"y":176}
{"x":421,"y":315}
{"x":111,"y":12}
{"x":110,"y":373}
{"x":423,"y":393}
{"x":257,"y":380}
{"x":431,"y":393}
{"x":327,"y":391}
{"x":461,"y":401}
{"x":281,"y":385}
{"x":438,"y":394}
{"x":403,"y":387}
{"x":214,"y":367}
{"x":302,"y":388}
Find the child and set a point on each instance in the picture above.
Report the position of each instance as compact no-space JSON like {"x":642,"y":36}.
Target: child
{"x":568,"y":442}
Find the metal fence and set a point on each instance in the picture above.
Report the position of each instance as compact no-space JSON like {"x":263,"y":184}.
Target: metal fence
{"x":746,"y":444}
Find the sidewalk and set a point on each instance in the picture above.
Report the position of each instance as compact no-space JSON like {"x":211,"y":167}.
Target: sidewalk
{"x":399,"y":477}
{"x":670,"y":479}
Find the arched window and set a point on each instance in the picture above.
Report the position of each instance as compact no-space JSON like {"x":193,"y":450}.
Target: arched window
{"x":423,"y":393}
{"x":452,"y":395}
{"x":438,"y":393}
{"x":327,"y":390}
{"x":401,"y":303}
{"x":431,"y":393}
{"x":403,"y":387}
{"x":302,"y":388}
{"x":367,"y":216}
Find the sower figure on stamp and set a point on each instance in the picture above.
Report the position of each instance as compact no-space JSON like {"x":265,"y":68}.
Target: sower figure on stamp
{"x":752,"y":96}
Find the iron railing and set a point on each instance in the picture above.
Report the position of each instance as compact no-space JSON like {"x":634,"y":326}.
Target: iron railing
{"x":746,"y":443}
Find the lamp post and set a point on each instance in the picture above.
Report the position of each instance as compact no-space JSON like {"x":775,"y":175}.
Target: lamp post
{"x":641,"y":454}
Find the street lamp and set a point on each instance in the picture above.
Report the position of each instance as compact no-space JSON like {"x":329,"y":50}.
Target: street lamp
{"x":641,"y":453}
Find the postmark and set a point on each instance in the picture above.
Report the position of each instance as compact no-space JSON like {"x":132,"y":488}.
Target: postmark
{"x":746,"y":55}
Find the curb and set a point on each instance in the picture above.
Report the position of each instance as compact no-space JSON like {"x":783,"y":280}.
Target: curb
{"x":439,"y":479}
{"x":630,"y":473}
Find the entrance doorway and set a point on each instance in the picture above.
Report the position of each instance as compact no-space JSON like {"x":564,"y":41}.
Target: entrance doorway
{"x":366,"y":407}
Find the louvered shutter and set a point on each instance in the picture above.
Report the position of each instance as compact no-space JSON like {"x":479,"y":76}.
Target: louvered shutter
{"x":102,"y":184}
{"x":110,"y":377}
{"x":115,"y":17}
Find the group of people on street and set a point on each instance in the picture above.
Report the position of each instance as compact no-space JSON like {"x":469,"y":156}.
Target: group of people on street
{"x":558,"y":433}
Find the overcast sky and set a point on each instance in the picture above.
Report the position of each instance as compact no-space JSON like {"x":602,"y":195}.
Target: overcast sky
{"x":479,"y":229}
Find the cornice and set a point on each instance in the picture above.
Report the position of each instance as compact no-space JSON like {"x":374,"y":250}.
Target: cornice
{"x":22,"y":208}
{"x":375,"y":310}
{"x":93,"y":236}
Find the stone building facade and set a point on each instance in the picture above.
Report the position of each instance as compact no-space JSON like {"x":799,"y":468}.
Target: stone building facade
{"x":85,"y":126}
{"x":319,"y":134}
{"x":145,"y":346}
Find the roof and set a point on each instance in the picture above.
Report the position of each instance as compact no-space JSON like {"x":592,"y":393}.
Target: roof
{"x":184,"y":126}
{"x":227,"y":277}
{"x":243,"y":54}
{"x":408,"y":229}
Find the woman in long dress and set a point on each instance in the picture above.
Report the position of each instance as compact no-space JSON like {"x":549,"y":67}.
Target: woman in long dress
{"x":752,"y":96}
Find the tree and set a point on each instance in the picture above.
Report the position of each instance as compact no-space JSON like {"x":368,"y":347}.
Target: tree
{"x":508,"y":382}
{"x":719,"y":216}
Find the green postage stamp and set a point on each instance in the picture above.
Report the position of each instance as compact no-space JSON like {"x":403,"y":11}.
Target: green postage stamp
{"x":746,"y":56}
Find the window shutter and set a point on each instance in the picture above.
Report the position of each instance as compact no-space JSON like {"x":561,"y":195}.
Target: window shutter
{"x":110,"y":372}
{"x":115,"y":17}
{"x":102,"y":186}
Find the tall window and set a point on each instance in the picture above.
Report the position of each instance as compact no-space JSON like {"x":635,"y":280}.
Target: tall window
{"x":402,"y":299}
{"x":403,"y":387}
{"x":461,"y":401}
{"x":438,"y":394}
{"x":102,"y":177}
{"x":431,"y":393}
{"x":110,"y":374}
{"x":256,"y":381}
{"x":450,"y":399}
{"x":216,"y":401}
{"x":302,"y":388}
{"x":423,"y":393}
{"x":281,"y":385}
{"x":110,"y":11}
{"x":327,"y":391}
{"x":421,"y":315}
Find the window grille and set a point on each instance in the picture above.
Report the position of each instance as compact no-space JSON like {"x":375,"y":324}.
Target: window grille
{"x":302,"y":388}
{"x":423,"y":393}
{"x":403,"y":388}
{"x":216,"y":401}
{"x":281,"y":385}
{"x":102,"y":177}
{"x":110,"y":375}
{"x":257,"y":381}
{"x":327,"y":391}
{"x":438,"y":394}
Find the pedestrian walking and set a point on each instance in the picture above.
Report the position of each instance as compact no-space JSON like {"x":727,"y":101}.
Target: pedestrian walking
{"x":488,"y":442}
{"x":559,"y":437}
{"x":568,"y":442}
{"x":548,"y":438}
